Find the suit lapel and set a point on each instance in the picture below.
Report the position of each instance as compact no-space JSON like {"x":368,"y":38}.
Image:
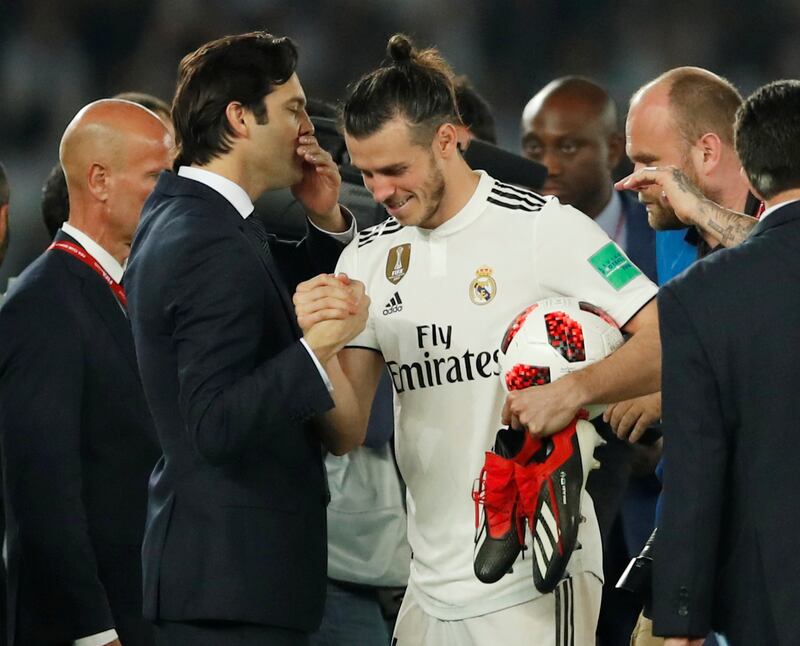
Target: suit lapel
{"x":268,"y":262}
{"x":99,"y":295}
{"x":110,"y":311}
{"x":172,"y":184}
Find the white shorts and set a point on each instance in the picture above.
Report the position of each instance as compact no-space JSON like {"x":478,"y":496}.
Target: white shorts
{"x":566,"y":617}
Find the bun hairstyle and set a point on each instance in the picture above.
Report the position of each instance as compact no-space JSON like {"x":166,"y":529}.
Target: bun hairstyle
{"x":400,"y":49}
{"x":414,"y":85}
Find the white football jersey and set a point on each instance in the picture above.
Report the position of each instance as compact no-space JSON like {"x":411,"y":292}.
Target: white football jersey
{"x":441,"y":301}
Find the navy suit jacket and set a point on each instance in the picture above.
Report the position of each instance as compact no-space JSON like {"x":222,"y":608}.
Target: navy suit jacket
{"x":726,"y":556}
{"x":641,"y":239}
{"x":78,"y":446}
{"x":236,"y":518}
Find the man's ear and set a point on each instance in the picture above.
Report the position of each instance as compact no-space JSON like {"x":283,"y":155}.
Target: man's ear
{"x":445,"y":141}
{"x":235,"y":113}
{"x":707,"y":152}
{"x":98,"y":181}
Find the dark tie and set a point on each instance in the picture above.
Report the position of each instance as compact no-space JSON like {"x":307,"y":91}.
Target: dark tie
{"x":255,"y":229}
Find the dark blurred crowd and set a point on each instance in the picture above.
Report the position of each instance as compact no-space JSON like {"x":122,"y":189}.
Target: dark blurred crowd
{"x":208,"y":357}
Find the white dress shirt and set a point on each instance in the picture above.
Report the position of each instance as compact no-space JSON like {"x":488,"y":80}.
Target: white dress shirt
{"x":106,"y":260}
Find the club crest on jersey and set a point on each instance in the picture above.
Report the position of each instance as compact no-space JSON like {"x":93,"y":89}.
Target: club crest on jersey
{"x":397,"y":263}
{"x":483,"y":287}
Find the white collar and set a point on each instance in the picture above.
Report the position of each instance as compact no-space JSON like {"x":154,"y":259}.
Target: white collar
{"x":106,"y":260}
{"x":774,"y":208}
{"x":231,"y":191}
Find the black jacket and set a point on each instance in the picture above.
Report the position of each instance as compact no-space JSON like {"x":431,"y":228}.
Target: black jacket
{"x":726,"y":556}
{"x":236,"y":518}
{"x":78,"y":446}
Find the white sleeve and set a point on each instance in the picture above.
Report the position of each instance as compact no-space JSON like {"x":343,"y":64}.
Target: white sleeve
{"x":574,"y":257}
{"x":99,"y":639}
{"x":348,"y":264}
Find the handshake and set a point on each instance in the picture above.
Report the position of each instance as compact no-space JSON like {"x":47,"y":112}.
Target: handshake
{"x":331,"y":310}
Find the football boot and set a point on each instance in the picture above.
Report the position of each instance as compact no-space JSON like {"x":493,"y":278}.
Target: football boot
{"x":550,"y":488}
{"x":500,"y":533}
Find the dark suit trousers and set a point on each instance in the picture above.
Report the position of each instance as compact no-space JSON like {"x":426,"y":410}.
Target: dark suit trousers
{"x":223,"y":633}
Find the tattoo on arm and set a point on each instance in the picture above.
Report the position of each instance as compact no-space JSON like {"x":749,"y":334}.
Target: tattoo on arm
{"x":685,"y":185}
{"x":729,"y":227}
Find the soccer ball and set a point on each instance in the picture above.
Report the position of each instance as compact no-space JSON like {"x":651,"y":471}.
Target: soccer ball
{"x":552,"y":338}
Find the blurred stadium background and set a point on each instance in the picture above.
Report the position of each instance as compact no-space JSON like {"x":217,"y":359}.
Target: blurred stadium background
{"x":57,"y":55}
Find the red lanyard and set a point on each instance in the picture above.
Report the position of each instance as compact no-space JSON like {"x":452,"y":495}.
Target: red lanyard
{"x":81,"y":254}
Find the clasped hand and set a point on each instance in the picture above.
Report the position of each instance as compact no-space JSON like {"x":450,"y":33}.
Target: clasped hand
{"x":331,"y":310}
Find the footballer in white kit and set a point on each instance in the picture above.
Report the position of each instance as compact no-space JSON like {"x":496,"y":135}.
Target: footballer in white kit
{"x":459,"y":257}
{"x":441,"y":300}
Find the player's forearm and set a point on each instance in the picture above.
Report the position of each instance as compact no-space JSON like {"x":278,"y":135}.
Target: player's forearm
{"x":632,"y":371}
{"x":345,"y":426}
{"x":728,"y":227}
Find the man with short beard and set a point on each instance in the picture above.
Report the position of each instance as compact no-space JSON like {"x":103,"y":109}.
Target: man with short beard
{"x":684,"y":118}
{"x":683,"y":121}
{"x":460,"y":255}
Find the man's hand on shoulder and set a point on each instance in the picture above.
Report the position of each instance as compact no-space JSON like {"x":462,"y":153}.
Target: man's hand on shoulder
{"x":684,"y":641}
{"x":318,"y":191}
{"x":331,"y":310}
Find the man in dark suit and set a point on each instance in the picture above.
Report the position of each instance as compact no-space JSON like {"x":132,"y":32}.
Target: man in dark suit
{"x":78,"y":443}
{"x":235,"y":543}
{"x":726,"y":554}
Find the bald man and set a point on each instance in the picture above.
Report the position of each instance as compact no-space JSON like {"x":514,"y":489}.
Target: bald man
{"x":683,"y":120}
{"x":78,"y":442}
{"x":680,"y":138}
{"x":570,"y":126}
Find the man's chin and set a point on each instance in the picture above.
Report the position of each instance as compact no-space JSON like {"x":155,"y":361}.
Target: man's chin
{"x":660,"y":220}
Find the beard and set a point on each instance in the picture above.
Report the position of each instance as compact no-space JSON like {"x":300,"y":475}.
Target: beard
{"x":661,"y":216}
{"x":434,"y":190}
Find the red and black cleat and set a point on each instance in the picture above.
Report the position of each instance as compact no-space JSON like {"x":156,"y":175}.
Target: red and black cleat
{"x":550,"y":489}
{"x":499,"y":535}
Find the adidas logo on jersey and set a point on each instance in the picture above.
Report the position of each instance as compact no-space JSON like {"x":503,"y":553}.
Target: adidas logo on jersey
{"x":394,"y":305}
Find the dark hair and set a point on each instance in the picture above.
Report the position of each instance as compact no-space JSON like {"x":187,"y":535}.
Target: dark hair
{"x":55,"y":200}
{"x":243,"y":68}
{"x":767,"y":134}
{"x":416,"y":86}
{"x":5,"y":193}
{"x":152,"y":103}
{"x":474,"y":111}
